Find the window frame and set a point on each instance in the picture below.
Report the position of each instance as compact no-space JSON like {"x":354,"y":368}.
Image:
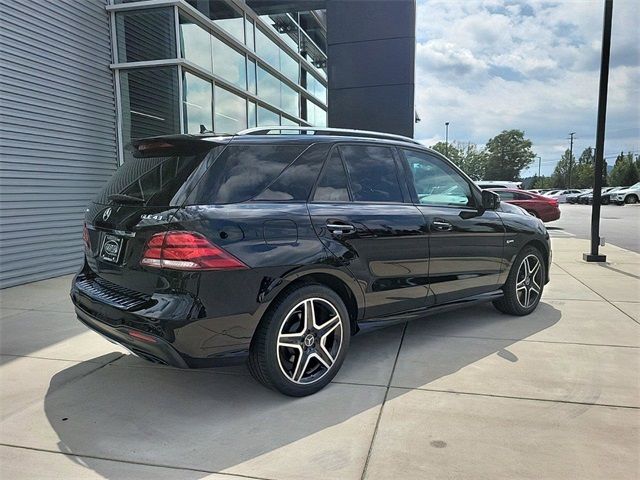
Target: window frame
{"x":473,"y":188}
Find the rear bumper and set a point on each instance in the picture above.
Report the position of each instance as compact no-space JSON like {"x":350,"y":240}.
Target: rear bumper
{"x":154,"y":349}
{"x":550,"y":215}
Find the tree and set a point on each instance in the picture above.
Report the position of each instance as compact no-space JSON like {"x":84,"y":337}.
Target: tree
{"x":542,"y":182}
{"x":507,"y":155}
{"x":583,"y":173}
{"x":625,"y":170}
{"x":560,"y":175}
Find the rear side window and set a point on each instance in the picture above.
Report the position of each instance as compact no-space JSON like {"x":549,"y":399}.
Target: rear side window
{"x":372,"y":172}
{"x":243,"y":171}
{"x":295,"y":183}
{"x":332,"y":186}
{"x":506,"y":195}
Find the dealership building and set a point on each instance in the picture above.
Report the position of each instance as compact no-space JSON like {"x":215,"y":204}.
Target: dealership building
{"x":80,"y":79}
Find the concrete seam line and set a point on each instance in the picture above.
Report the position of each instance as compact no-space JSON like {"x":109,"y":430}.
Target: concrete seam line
{"x":601,"y":296}
{"x":384,"y":401}
{"x":130,"y":462}
{"x":533,"y":341}
{"x":510,"y":397}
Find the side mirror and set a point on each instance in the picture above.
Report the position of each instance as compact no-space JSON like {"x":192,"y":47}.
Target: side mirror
{"x":490,"y":200}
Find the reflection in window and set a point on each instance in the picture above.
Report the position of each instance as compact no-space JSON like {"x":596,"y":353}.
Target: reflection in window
{"x":289,"y":67}
{"x":251,"y":115}
{"x":231,"y":112}
{"x":315,"y":87}
{"x":286,"y":121}
{"x":229,"y":63}
{"x":284,"y":26}
{"x":251,"y":76}
{"x":146,"y":35}
{"x":268,"y":87}
{"x":289,"y":100}
{"x":197,"y":104}
{"x":274,"y":56}
{"x":267,"y":118}
{"x":149,"y":102}
{"x":372,"y":173}
{"x":195,"y":43}
{"x":315,"y":115}
{"x":223,"y":15}
{"x":250,"y":33}
{"x":332,"y":186}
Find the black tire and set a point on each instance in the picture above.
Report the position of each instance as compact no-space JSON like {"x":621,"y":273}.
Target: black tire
{"x":514,"y":301}
{"x":631,"y":199}
{"x":274,"y":365}
{"x":605,"y":201}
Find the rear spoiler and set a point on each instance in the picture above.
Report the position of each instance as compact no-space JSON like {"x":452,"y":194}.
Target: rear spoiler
{"x":168,"y":145}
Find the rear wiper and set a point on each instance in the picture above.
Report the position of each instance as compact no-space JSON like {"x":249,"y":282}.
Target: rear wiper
{"x":122,"y":198}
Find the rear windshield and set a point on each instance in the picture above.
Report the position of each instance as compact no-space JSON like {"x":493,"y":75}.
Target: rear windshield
{"x":241,"y":172}
{"x":156,"y":180}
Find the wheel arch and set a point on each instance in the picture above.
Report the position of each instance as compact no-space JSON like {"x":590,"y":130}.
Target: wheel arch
{"x":538,"y":245}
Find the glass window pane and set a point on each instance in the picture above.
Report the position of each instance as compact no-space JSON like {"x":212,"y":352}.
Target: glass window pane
{"x":223,"y":15}
{"x":266,"y":49}
{"x":316,"y":116}
{"x":251,"y":117}
{"x":249,"y":28}
{"x":149,"y":102}
{"x":195,"y":43}
{"x":372,"y":172}
{"x":146,"y":35}
{"x":268,"y":87}
{"x":251,"y":76}
{"x":286,"y":121}
{"x":296,"y":181}
{"x":316,"y":88}
{"x":436,"y":183}
{"x":289,"y":67}
{"x":332,"y":186}
{"x":284,"y":26}
{"x":267,"y":118}
{"x":231,"y":112}
{"x":289,"y":100}
{"x":229,"y":63}
{"x":197,"y":103}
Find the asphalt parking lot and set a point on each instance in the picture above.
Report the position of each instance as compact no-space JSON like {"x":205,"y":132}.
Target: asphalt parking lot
{"x":466,"y":394}
{"x":619,"y":225}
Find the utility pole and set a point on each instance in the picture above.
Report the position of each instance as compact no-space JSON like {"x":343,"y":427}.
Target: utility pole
{"x":570,"y":158}
{"x":446,"y":139}
{"x":539,"y":164}
{"x":594,"y":256}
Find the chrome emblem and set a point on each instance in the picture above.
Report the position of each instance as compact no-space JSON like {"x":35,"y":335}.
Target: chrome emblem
{"x":309,"y":340}
{"x":110,"y":247}
{"x":106,"y":214}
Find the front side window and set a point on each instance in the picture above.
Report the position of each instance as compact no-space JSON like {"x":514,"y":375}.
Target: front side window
{"x":372,"y":173}
{"x":436,"y":182}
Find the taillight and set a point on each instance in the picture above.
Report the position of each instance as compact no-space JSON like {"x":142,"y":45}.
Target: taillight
{"x":553,"y":202}
{"x":86,"y":238}
{"x":187,"y":251}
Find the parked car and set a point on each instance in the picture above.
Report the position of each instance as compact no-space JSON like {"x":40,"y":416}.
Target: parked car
{"x":627,"y":195}
{"x":546,"y":209}
{"x":605,"y":198}
{"x":575,"y":197}
{"x":561,"y":195}
{"x":492,"y":184}
{"x":204,"y":250}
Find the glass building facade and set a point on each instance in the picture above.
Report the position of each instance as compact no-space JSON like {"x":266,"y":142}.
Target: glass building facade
{"x":186,"y":66}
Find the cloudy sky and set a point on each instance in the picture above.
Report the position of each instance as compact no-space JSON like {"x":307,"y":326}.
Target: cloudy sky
{"x":489,"y":65}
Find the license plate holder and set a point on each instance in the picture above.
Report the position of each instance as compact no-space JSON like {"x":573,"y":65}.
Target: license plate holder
{"x":111,"y":248}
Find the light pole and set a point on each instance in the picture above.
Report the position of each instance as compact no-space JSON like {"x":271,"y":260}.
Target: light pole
{"x":594,"y":255}
{"x":446,"y":139}
{"x":539,"y":164}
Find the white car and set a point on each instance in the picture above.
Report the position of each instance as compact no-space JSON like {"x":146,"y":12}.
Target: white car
{"x":628,"y":195}
{"x":561,"y":195}
{"x":485,"y":184}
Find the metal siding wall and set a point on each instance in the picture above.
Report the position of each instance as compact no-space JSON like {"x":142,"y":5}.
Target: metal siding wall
{"x":57,"y":131}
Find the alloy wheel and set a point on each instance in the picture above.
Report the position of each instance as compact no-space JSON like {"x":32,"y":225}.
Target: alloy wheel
{"x":309,"y":340}
{"x":529,"y":281}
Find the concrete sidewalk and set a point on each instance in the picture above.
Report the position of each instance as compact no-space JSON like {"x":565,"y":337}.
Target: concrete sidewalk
{"x":466,"y":394}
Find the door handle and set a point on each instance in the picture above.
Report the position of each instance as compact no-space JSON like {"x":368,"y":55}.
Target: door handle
{"x":340,"y":228}
{"x":441,"y":225}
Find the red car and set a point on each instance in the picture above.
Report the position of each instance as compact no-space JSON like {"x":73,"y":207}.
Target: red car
{"x":546,"y":209}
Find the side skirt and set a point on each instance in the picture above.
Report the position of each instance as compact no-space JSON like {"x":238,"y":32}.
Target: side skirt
{"x":375,"y":323}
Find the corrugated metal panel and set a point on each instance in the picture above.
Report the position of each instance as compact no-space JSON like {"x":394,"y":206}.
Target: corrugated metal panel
{"x":57,"y":131}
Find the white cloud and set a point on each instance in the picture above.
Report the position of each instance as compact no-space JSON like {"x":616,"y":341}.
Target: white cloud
{"x":491,"y":65}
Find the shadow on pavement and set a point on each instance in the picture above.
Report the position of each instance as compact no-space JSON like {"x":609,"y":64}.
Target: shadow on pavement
{"x":219,"y":422}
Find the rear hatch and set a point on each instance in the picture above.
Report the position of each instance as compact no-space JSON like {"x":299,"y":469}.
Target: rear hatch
{"x":140,"y":200}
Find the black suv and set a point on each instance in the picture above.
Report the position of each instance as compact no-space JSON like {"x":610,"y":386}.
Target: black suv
{"x":280,"y":244}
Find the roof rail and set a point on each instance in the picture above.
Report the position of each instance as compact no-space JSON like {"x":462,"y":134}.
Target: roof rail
{"x":327,"y":131}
